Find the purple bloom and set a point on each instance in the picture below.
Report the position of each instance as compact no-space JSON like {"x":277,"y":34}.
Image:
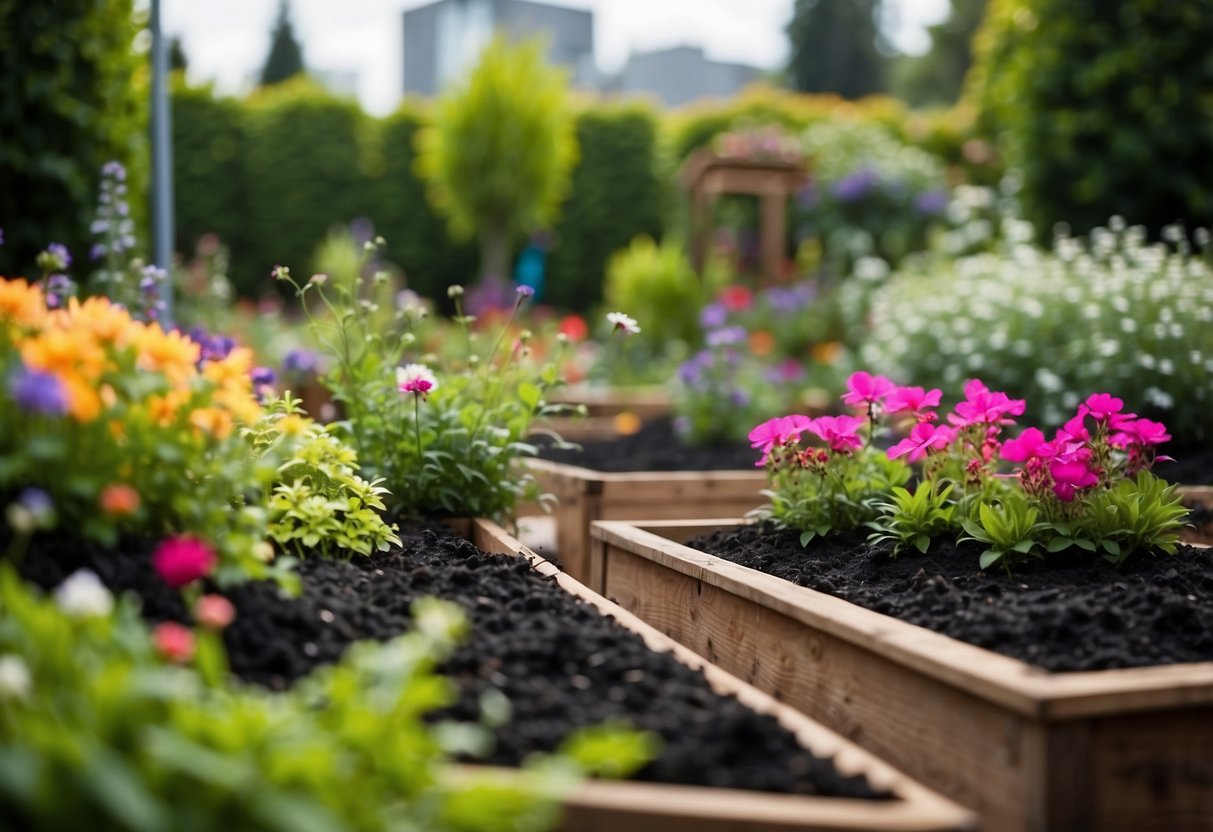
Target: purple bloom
{"x":60,"y":253}
{"x":738,"y":397}
{"x":855,"y":186}
{"x":214,"y":347}
{"x":38,"y":392}
{"x":96,"y":252}
{"x":525,"y":292}
{"x":263,"y":377}
{"x":37,"y":502}
{"x":930,"y":203}
{"x":302,"y":362}
{"x":114,"y":170}
{"x":726,"y":336}
{"x":713,"y":316}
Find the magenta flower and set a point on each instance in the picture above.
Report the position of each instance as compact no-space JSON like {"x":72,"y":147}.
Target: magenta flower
{"x":841,"y":433}
{"x":777,"y":431}
{"x":1140,"y":432}
{"x":182,"y":560}
{"x":1075,"y":430}
{"x":1028,"y":445}
{"x":1103,"y":406}
{"x":923,"y":437}
{"x":913,"y":400}
{"x":984,"y":407}
{"x":864,"y":389}
{"x":416,"y":379}
{"x":1069,"y":476}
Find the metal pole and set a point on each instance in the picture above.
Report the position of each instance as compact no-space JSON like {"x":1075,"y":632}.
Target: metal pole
{"x":162,"y":163}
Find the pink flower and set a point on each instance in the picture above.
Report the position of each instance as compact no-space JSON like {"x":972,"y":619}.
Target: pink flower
{"x":415,"y":378}
{"x":841,"y":433}
{"x":1103,"y":406}
{"x":1140,"y":432}
{"x":1070,"y":475}
{"x":865,"y":389}
{"x":777,"y":431}
{"x":174,"y":642}
{"x":923,"y":437}
{"x":214,"y":612}
{"x":984,"y":407}
{"x":182,"y":560}
{"x":914,"y":400}
{"x":1028,"y":445}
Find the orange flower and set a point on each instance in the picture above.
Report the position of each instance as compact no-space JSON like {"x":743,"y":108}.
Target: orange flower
{"x":236,"y":367}
{"x":163,"y":409}
{"x":761,"y":342}
{"x":65,"y":352}
{"x":106,"y":321}
{"x":827,"y":352}
{"x":21,"y":303}
{"x":119,"y":499}
{"x":237,"y":399}
{"x":212,"y":420}
{"x":170,"y":353}
{"x":83,"y":401}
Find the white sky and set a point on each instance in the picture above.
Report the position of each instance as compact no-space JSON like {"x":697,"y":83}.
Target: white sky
{"x":227,"y":40}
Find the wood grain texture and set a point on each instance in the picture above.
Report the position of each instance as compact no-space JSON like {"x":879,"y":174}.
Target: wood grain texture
{"x":640,"y":807}
{"x":1028,"y":750}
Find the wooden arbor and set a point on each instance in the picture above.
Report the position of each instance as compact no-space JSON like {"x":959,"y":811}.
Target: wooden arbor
{"x":707,"y":175}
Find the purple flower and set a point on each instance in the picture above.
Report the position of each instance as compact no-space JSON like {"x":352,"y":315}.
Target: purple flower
{"x":263,"y":377}
{"x":38,"y":392}
{"x":738,"y":397}
{"x":38,"y":503}
{"x":930,"y":203}
{"x":60,"y":253}
{"x":855,"y":186}
{"x":302,"y":362}
{"x":114,"y":170}
{"x":726,"y":336}
{"x":214,"y":347}
{"x":1,"y":236}
{"x":96,"y":252}
{"x":524,"y":292}
{"x":713,"y":316}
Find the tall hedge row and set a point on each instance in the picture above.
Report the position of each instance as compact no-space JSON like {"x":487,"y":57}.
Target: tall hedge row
{"x":1106,"y":108}
{"x":73,"y":96}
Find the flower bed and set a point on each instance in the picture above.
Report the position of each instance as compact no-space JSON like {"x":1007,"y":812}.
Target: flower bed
{"x":566,"y":666}
{"x":1026,"y":749}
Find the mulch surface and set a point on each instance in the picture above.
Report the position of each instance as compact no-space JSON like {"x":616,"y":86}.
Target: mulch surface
{"x":1065,"y":613}
{"x":655,"y":447}
{"x":560,"y":663}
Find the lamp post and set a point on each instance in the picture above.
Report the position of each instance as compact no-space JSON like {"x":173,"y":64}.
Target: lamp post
{"x":162,"y":163}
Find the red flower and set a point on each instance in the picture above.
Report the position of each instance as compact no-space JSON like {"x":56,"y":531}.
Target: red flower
{"x":736,"y":298}
{"x":574,"y":327}
{"x":182,"y":560}
{"x":174,"y":642}
{"x":119,"y":500}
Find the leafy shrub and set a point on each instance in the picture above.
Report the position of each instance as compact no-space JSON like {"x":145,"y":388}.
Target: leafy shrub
{"x":74,"y":98}
{"x":1104,"y":110}
{"x":616,"y":193}
{"x":97,"y":731}
{"x":657,"y":277}
{"x":1108,"y":312}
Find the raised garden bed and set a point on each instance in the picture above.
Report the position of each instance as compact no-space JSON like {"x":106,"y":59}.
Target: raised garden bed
{"x":562,"y":665}
{"x":647,"y":476}
{"x":1199,"y":500}
{"x":1126,"y":749}
{"x":610,"y":411}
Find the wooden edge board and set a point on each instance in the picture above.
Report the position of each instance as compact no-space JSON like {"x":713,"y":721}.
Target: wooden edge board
{"x":1009,"y":682}
{"x":925,"y":809}
{"x":547,"y":466}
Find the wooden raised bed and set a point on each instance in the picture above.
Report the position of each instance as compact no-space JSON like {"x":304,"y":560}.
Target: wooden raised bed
{"x":610,"y":411}
{"x":585,"y":495}
{"x":600,"y":806}
{"x":1123,"y":750}
{"x":1195,"y":496}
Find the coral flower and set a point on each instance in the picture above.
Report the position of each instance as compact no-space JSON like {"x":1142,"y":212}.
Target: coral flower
{"x":214,"y":612}
{"x":119,"y":500}
{"x":174,"y":642}
{"x":182,"y":560}
{"x":574,"y":327}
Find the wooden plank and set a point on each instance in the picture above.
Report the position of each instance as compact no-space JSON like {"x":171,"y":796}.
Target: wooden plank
{"x":921,"y":808}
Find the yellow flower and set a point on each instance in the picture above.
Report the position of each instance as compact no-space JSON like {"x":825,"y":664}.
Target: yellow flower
{"x":65,"y":353}
{"x":237,"y":399}
{"x":22,"y":303}
{"x":163,"y":409}
{"x":294,"y":425}
{"x":108,"y":322}
{"x":170,"y":353}
{"x":83,"y":402}
{"x":213,"y":420}
{"x":235,"y":367}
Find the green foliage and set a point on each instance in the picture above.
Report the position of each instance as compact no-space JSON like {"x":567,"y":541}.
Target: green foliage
{"x":659,"y":279}
{"x":304,"y":172}
{"x":1139,"y":514}
{"x":834,"y":47}
{"x":938,"y":76}
{"x":75,"y":97}
{"x":914,"y":519}
{"x":1110,"y":312}
{"x":1009,"y":527}
{"x":211,"y":178}
{"x":498,"y":154}
{"x":320,"y":505}
{"x":721,"y":392}
{"x":616,"y":193}
{"x":97,"y":732}
{"x":1104,"y":110}
{"x":285,"y":59}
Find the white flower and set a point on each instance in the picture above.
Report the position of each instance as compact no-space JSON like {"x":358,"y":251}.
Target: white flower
{"x":83,"y":594}
{"x":410,"y":374}
{"x":15,"y":682}
{"x":620,"y":321}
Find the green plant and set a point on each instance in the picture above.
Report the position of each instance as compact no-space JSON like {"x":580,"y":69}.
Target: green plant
{"x":1010,"y":526}
{"x":98,"y":730}
{"x":1103,"y":111}
{"x":319,"y":504}
{"x":1110,"y":311}
{"x":659,"y":277}
{"x":445,"y":437}
{"x":914,"y":518}
{"x":499,"y":150}
{"x":75,"y":97}
{"x":1136,"y":514}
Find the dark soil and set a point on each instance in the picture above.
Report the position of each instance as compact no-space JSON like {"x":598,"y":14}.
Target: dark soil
{"x":560,"y":663}
{"x":655,"y":447}
{"x":1068,"y":613}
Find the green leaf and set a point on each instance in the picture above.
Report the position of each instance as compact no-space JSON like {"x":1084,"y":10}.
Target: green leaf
{"x":807,"y":536}
{"x":989,"y":557}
